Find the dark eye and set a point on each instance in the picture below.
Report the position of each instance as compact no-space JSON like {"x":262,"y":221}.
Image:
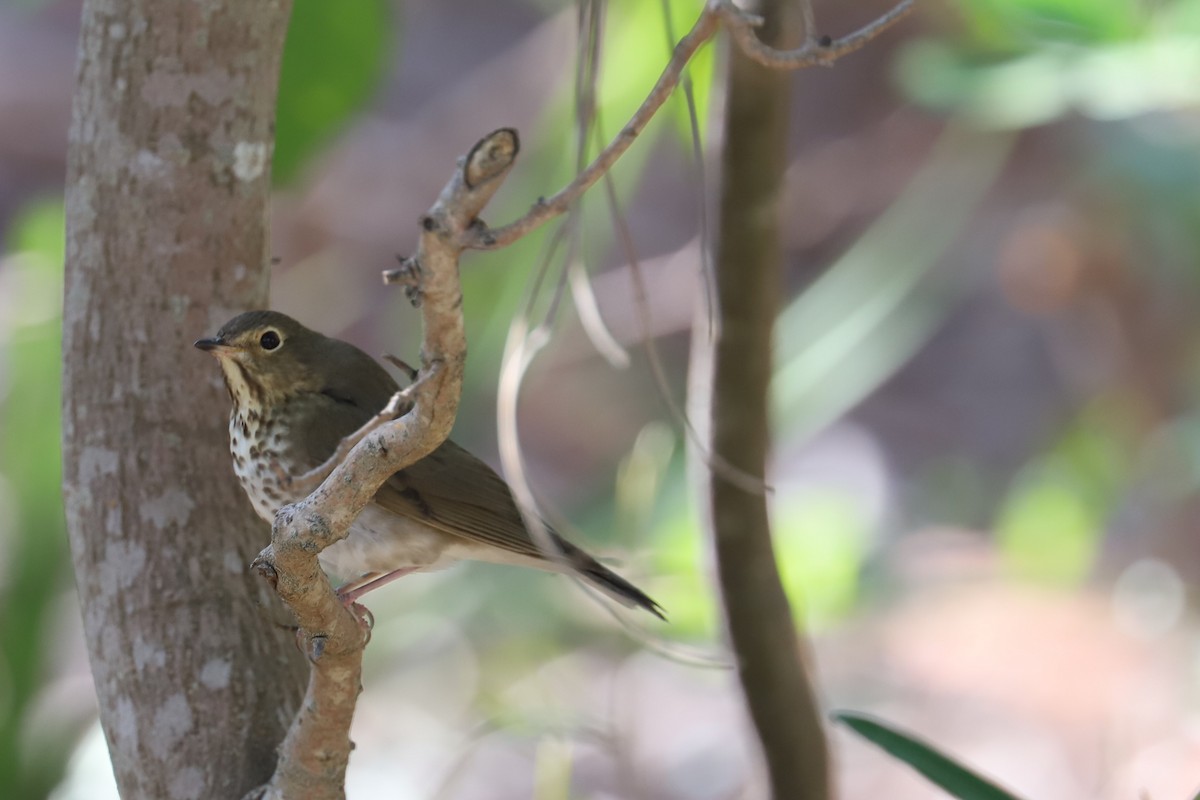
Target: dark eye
{"x":269,"y":340}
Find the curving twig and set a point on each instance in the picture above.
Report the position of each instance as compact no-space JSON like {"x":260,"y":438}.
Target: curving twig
{"x":815,"y":52}
{"x":547,"y":209}
{"x":716,"y":14}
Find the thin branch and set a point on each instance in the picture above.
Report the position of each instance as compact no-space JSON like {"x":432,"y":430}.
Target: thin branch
{"x":590,"y":318}
{"x":715,"y":14}
{"x":714,"y":461}
{"x":575,"y":271}
{"x":409,"y":372}
{"x":312,"y":760}
{"x":519,"y":351}
{"x":776,"y":683}
{"x":549,"y":208}
{"x":814,"y":52}
{"x":707,"y":270}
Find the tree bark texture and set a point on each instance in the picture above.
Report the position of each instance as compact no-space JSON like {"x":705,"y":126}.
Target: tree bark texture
{"x":168,"y":183}
{"x":771,"y":665}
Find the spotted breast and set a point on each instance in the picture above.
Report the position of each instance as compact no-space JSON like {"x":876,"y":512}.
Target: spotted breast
{"x":256,"y":442}
{"x":264,"y":456}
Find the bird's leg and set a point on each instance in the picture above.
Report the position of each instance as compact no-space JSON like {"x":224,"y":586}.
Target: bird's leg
{"x":349,"y":586}
{"x":350,"y":592}
{"x":366,"y":620}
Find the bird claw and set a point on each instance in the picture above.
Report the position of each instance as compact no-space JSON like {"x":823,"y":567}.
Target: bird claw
{"x":316,"y":647}
{"x":313,"y":646}
{"x":364,"y":618}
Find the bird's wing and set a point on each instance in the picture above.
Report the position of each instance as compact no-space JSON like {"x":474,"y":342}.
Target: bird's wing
{"x":454,"y":491}
{"x":324,"y":424}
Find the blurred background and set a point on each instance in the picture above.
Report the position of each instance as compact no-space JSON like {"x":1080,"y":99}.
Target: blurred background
{"x":988,"y":447}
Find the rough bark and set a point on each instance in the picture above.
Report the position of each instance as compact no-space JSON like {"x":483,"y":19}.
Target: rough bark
{"x":168,"y":182}
{"x":761,"y":628}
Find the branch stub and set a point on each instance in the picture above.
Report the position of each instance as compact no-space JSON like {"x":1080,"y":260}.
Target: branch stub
{"x":491,"y":156}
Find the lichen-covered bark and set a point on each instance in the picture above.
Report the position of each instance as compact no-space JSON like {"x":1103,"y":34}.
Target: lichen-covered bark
{"x":761,"y":628}
{"x":168,"y":183}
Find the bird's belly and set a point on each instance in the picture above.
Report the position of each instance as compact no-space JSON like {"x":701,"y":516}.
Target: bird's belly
{"x":380,"y":541}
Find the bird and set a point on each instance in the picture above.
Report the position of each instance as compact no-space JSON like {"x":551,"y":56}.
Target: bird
{"x":297,"y":394}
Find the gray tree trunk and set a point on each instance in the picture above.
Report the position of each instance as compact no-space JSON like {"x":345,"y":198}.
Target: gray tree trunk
{"x":762,"y":631}
{"x":168,"y":182}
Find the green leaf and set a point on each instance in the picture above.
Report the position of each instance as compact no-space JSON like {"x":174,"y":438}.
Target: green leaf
{"x":334,"y":57}
{"x":33,"y":747}
{"x":942,"y":770}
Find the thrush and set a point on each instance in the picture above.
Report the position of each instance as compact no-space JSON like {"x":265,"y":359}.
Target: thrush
{"x":297,"y":394}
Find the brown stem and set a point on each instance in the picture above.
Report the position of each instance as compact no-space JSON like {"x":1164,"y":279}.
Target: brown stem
{"x":761,"y":628}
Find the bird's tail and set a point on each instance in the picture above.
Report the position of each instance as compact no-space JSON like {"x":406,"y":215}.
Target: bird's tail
{"x":608,"y":581}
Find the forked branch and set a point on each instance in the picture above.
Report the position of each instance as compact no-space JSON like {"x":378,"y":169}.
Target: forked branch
{"x":313,"y":757}
{"x":717,"y":13}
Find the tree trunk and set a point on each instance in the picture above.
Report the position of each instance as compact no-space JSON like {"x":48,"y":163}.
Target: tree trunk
{"x":761,"y":628}
{"x":168,"y":183}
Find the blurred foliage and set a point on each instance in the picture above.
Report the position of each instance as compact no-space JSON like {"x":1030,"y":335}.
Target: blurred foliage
{"x":681,"y":559}
{"x":821,"y":542}
{"x":34,"y":744}
{"x":1018,"y":63}
{"x":1051,"y":523}
{"x":334,"y":57}
{"x":873,"y":308}
{"x":1007,"y":26}
{"x":942,"y":770}
{"x":552,"y":776}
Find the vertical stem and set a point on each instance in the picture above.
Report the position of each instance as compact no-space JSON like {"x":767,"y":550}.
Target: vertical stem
{"x":761,"y":628}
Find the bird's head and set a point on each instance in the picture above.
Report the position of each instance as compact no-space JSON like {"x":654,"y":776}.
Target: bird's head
{"x":266,"y":356}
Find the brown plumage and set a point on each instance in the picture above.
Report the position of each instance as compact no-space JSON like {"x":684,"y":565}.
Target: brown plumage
{"x":296,"y":394}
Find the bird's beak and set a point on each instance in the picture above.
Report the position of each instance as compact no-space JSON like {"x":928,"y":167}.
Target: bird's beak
{"x":215,"y":345}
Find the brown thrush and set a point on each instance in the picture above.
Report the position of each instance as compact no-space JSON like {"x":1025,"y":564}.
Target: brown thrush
{"x":296,"y":394}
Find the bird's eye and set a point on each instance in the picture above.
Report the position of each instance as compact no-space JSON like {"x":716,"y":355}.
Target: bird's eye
{"x":270,"y":340}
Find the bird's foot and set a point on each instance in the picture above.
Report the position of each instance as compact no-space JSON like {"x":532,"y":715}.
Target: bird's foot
{"x":365,"y":619}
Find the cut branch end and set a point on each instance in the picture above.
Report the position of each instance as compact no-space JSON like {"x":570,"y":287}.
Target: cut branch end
{"x":491,"y":157}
